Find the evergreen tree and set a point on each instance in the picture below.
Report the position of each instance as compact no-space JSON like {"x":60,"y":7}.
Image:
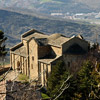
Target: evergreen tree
{"x":83,"y":86}
{"x":3,"y":52}
{"x":55,"y":77}
{"x":58,"y":80}
{"x":87,"y":82}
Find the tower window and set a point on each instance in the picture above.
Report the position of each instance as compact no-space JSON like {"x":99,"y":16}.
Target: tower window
{"x":32,"y":58}
{"x":31,"y":66}
{"x":18,"y":65}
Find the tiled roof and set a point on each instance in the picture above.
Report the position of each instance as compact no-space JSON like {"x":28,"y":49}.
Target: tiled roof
{"x":21,"y":50}
{"x":42,"y":39}
{"x":16,"y":46}
{"x":36,"y":35}
{"x":54,"y":36}
{"x":30,"y":32}
{"x":48,"y":61}
{"x":59,"y":41}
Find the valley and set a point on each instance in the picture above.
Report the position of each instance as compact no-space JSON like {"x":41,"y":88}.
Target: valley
{"x":14,"y":24}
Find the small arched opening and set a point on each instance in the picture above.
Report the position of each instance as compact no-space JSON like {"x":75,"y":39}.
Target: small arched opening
{"x":18,"y":65}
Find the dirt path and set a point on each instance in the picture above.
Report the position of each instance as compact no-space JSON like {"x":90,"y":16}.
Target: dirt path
{"x":12,"y":75}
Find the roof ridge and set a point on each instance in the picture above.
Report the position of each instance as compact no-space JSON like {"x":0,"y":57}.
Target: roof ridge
{"x":30,"y":32}
{"x":16,"y":46}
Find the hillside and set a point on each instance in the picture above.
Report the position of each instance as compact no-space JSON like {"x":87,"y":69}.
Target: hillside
{"x":94,"y":4}
{"x":48,"y":6}
{"x":14,"y":24}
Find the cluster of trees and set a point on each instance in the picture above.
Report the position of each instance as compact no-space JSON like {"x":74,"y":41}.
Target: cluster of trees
{"x":85,"y":85}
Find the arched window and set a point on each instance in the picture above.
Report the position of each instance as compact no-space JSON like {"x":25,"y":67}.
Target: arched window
{"x":18,"y":65}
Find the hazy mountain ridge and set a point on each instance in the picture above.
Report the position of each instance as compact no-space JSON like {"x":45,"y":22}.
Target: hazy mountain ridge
{"x":49,"y":6}
{"x":94,"y":4}
{"x":15,"y":24}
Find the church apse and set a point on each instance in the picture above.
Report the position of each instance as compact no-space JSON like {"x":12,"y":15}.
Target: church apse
{"x":75,"y":49}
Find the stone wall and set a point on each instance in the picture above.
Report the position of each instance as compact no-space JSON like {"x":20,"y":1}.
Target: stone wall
{"x":24,"y":42}
{"x":33,"y":58}
{"x":73,"y":62}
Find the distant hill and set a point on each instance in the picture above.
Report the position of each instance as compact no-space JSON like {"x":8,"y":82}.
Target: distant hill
{"x":48,"y":6}
{"x":93,"y":4}
{"x":14,"y":24}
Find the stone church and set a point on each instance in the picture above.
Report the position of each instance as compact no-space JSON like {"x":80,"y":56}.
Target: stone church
{"x":38,"y":52}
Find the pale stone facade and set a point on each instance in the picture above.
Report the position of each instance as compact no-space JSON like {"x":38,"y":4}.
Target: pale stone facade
{"x":37,"y":53}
